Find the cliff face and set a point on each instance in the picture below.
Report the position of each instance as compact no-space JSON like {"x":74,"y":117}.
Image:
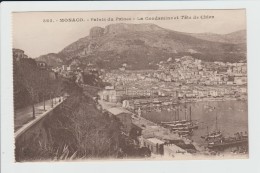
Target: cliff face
{"x":144,"y":45}
{"x":96,"y":32}
{"x":122,"y":28}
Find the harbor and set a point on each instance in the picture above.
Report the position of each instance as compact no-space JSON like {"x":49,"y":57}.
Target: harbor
{"x":205,"y":114}
{"x":183,"y":131}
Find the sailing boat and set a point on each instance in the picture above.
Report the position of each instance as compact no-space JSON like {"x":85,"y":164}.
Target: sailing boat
{"x":192,"y":124}
{"x":183,"y":127}
{"x":177,"y":120}
{"x":213,"y":135}
{"x":184,"y":123}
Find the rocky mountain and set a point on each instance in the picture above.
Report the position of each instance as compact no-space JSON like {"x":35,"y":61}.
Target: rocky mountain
{"x":142,"y":46}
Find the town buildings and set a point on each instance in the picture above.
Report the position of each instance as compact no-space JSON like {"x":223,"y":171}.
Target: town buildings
{"x":186,"y":77}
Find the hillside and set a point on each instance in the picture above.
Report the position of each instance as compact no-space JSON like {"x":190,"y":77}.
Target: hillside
{"x":237,"y":37}
{"x":142,"y":46}
{"x":52,"y":59}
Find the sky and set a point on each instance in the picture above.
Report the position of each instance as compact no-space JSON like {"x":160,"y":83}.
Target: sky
{"x":36,"y":37}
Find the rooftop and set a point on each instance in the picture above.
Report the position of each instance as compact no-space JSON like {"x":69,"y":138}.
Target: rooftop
{"x":173,"y":148}
{"x":155,"y":141}
{"x":117,"y":111}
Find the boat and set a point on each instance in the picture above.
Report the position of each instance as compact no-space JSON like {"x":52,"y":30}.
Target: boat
{"x":184,"y":132}
{"x":180,"y":128}
{"x":222,"y":143}
{"x":175,"y":122}
{"x":187,"y":125}
{"x":184,"y":124}
{"x":193,"y":126}
{"x":213,"y":135}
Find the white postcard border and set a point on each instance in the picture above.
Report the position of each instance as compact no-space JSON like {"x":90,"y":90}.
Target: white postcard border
{"x":200,"y":166}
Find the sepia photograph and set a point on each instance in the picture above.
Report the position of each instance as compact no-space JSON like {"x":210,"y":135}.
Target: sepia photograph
{"x":130,"y":85}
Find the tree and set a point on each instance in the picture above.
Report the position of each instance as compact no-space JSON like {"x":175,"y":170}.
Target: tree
{"x":95,"y":134}
{"x":56,"y":88}
{"x":29,"y":76}
{"x":44,"y":80}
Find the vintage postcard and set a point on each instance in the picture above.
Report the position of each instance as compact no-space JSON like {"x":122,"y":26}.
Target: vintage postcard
{"x":119,"y":85}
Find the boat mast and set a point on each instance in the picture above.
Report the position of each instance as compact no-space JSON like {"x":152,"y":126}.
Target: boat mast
{"x":217,"y":123}
{"x":175,"y":114}
{"x":172,"y":116}
{"x":178,"y":113}
{"x":190,"y":113}
{"x":185,"y":106}
{"x":185,"y":115}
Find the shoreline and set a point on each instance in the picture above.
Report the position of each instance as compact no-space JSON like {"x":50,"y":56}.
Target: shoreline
{"x":201,"y":100}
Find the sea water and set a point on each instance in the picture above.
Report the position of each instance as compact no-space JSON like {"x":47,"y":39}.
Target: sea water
{"x":232,"y":117}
